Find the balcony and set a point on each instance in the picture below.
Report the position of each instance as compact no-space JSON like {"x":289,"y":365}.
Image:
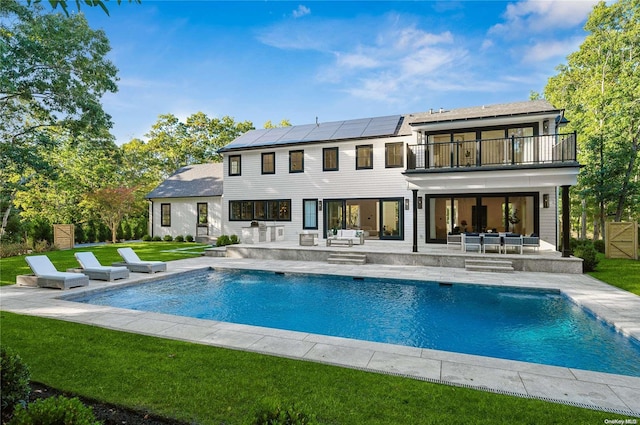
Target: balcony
{"x":512,"y":152}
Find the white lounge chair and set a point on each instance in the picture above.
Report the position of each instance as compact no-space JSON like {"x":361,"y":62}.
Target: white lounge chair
{"x":92,"y":268}
{"x":135,"y":264}
{"x":47,"y":276}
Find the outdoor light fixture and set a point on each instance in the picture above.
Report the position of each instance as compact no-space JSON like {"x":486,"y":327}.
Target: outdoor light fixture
{"x":420,"y":203}
{"x":545,"y":200}
{"x":406,"y":204}
{"x":319,"y":205}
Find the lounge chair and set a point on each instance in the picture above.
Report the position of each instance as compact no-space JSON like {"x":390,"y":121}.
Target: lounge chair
{"x":47,"y":276}
{"x":135,"y":264}
{"x":92,"y":268}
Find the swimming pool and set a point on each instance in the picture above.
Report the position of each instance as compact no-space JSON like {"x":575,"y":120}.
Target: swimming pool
{"x":527,"y":325}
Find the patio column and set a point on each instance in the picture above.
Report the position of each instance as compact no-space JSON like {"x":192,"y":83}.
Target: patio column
{"x":566,"y":225}
{"x":415,"y":220}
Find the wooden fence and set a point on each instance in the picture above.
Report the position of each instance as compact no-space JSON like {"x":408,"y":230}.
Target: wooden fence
{"x":63,"y":236}
{"x":621,"y":240}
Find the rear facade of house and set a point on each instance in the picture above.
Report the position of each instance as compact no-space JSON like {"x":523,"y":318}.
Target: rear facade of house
{"x":414,"y":177}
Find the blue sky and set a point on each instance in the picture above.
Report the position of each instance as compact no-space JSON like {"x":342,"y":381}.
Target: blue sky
{"x":334,"y":60}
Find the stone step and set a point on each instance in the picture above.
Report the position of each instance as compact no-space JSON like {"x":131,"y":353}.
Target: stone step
{"x":346,"y":258}
{"x":498,"y":266}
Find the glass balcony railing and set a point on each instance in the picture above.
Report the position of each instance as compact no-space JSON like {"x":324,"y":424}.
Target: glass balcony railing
{"x":511,"y":151}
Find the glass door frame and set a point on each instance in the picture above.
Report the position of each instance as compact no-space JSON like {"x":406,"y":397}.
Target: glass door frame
{"x":479,"y":211}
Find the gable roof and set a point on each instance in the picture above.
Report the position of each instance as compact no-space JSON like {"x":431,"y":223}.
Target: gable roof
{"x":330,"y":131}
{"x":191,"y":181}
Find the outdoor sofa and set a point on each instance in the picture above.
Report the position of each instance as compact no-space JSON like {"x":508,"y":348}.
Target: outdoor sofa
{"x":348,"y":236}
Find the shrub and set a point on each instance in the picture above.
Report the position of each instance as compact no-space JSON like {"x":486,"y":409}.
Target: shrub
{"x":167,"y":238}
{"x":281,"y":416}
{"x":189,"y":238}
{"x":223,"y":240}
{"x":234,"y":239}
{"x":55,"y":410}
{"x":599,"y":245}
{"x":157,"y":238}
{"x":588,"y":253}
{"x":179,"y":238}
{"x":146,"y":238}
{"x":14,"y":381}
{"x":12,"y":249}
{"x":42,"y":246}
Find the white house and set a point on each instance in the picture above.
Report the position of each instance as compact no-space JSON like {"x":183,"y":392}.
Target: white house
{"x":189,"y":202}
{"x":412,"y":177}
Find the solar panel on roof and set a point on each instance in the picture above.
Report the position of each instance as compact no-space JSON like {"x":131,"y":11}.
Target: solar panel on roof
{"x":337,"y":130}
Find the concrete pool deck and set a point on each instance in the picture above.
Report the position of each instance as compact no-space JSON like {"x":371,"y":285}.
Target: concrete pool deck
{"x":613,"y":393}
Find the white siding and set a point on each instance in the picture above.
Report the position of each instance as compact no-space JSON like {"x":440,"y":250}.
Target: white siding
{"x":184,"y":215}
{"x":314,"y":183}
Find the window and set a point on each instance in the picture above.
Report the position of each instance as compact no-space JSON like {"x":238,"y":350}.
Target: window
{"x":276,"y":210}
{"x":269,"y":163}
{"x":296,"y":161}
{"x":394,"y":153}
{"x":234,"y":165}
{"x":364,"y":157}
{"x":310,"y":213}
{"x":330,"y":159}
{"x":165,"y":215}
{"x":203,"y":216}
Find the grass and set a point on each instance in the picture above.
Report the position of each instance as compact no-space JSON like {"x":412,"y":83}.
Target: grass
{"x":209,"y":385}
{"x":623,"y":273}
{"x":106,"y":254}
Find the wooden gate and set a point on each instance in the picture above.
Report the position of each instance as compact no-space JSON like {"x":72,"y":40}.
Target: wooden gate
{"x":63,"y":236}
{"x":621,"y":240}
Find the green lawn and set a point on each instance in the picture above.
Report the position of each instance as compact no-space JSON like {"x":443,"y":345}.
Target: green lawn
{"x":625,"y":274}
{"x":208,"y":385}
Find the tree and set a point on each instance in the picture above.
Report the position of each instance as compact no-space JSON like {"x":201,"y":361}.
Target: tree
{"x":111,"y":205}
{"x":173,"y":144}
{"x":53,"y":72}
{"x":284,"y":123}
{"x":91,"y":3}
{"x":599,"y":87}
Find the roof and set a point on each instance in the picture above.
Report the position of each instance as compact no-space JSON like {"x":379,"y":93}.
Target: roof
{"x":530,"y":107}
{"x":330,"y":131}
{"x":386,"y":126}
{"x":191,"y":181}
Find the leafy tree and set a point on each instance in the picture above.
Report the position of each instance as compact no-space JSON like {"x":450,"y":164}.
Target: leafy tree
{"x":173,"y":144}
{"x":53,"y":72}
{"x":600,"y":86}
{"x":284,"y":123}
{"x":111,"y":205}
{"x":91,"y":3}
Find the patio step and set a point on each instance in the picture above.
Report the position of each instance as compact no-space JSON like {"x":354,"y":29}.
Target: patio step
{"x":502,"y":266}
{"x":346,"y":258}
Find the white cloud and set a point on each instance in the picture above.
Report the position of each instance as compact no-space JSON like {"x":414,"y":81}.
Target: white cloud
{"x":545,"y":50}
{"x":301,"y":11}
{"x":539,"y":16}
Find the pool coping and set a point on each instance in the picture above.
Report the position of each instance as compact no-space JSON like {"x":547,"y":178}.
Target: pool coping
{"x":595,"y":390}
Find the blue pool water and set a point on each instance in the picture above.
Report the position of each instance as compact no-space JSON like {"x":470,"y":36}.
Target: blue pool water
{"x":526,"y":325}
